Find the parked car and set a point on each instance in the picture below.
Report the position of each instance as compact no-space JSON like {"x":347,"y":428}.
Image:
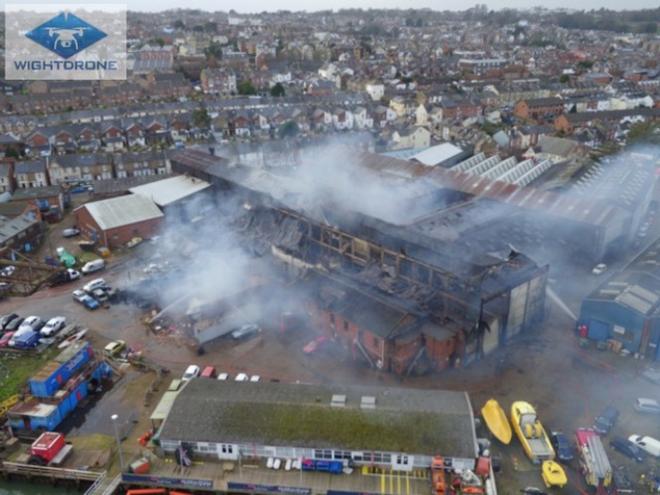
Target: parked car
{"x":191,"y":372}
{"x":223,"y":377}
{"x":33,"y":323}
{"x":606,"y":420}
{"x":85,"y":299}
{"x":26,"y":340}
{"x":13,"y":325}
{"x":650,"y":406}
{"x":208,"y":372}
{"x":53,"y":326}
{"x":245,"y":331}
{"x":648,"y":444}
{"x":627,"y":448}
{"x":241,"y":377}
{"x":114,"y":348}
{"x":97,"y":283}
{"x":70,"y":232}
{"x":5,"y":319}
{"x":255,"y":378}
{"x":93,"y":266}
{"x":100,"y":295}
{"x":6,"y":337}
{"x":599,"y":269}
{"x":562,"y":445}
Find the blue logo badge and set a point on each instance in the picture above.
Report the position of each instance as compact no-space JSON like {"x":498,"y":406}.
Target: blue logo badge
{"x":66,"y":34}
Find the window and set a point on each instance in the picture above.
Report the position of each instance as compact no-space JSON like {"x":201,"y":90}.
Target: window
{"x":332,"y":317}
{"x":345,"y":325}
{"x":375,"y":340}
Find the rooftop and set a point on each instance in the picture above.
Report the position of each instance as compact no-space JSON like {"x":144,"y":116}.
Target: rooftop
{"x":123,"y":210}
{"x":167,"y":191}
{"x":301,"y":415}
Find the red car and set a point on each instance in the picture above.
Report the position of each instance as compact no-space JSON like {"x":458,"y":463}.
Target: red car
{"x":6,"y":337}
{"x":208,"y":372}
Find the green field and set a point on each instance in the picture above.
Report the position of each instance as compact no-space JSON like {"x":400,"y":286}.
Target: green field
{"x":15,"y":369}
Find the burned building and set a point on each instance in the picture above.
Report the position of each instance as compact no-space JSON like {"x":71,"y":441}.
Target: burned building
{"x":394,"y":287}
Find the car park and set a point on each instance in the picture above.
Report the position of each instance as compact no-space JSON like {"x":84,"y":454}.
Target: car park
{"x":53,"y":326}
{"x":648,"y":406}
{"x":93,"y":266}
{"x":606,"y":420}
{"x":114,"y":348}
{"x":648,"y":444}
{"x":627,"y":448}
{"x":191,"y":372}
{"x":562,"y":446}
{"x":70,"y":232}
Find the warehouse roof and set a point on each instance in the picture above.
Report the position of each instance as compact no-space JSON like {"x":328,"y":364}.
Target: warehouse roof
{"x":167,"y":191}
{"x":435,"y":155}
{"x":301,"y":415}
{"x":123,"y":210}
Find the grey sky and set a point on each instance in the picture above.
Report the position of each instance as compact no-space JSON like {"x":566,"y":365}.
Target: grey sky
{"x":261,"y":5}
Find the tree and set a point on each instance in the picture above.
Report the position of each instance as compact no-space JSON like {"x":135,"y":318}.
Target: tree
{"x":564,"y":78}
{"x":178,"y":24}
{"x":214,"y":50}
{"x":201,"y":118}
{"x":650,"y":28}
{"x":289,"y":129}
{"x":157,"y":41}
{"x":277,"y":90}
{"x":246,"y":88}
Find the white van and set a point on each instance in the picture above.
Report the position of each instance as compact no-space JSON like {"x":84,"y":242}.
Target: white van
{"x":648,"y":444}
{"x":97,"y":283}
{"x":93,"y":266}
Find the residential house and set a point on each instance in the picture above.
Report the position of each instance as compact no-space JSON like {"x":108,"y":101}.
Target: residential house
{"x":375,"y":91}
{"x":399,"y":105}
{"x":342,"y":119}
{"x":218,"y":81}
{"x":362,"y":118}
{"x":134,"y":132}
{"x":6,"y":176}
{"x":30,"y":174}
{"x":414,"y":137}
{"x":112,"y":136}
{"x":141,"y":164}
{"x":67,"y":168}
{"x":539,"y":108}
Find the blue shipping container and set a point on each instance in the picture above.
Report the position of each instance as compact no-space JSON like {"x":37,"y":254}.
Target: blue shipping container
{"x":56,"y":373}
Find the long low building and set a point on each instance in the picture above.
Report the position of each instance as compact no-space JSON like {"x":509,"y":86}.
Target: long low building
{"x":394,"y":428}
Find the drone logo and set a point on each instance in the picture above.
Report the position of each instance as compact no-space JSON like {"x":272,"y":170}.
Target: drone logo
{"x":66,"y":34}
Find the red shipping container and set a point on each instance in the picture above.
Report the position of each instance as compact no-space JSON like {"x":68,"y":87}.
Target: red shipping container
{"x":47,"y":445}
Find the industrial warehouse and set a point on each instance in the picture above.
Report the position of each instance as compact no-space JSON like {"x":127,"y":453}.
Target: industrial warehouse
{"x":625,"y":309}
{"x":397,"y":292}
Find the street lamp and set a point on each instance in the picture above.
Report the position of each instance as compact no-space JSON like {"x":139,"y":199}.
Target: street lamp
{"x":114,"y":419}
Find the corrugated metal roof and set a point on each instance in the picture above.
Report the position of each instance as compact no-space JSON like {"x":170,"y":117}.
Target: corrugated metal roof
{"x":631,"y":300}
{"x":437,"y":154}
{"x":168,"y":191}
{"x":123,"y":210}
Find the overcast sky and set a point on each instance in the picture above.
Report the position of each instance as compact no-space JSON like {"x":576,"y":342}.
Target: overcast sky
{"x":261,"y":5}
